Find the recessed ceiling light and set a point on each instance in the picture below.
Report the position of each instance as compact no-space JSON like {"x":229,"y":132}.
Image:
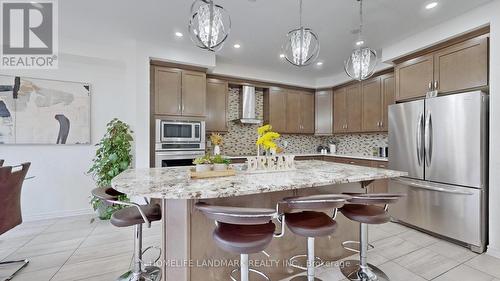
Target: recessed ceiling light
{"x":237,"y":46}
{"x":178,"y":34}
{"x":319,"y":63}
{"x":282,"y":56}
{"x":431,"y":5}
{"x":360,"y":42}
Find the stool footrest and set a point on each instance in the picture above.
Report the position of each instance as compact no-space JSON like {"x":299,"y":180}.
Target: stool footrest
{"x":346,"y":245}
{"x":261,"y":274}
{"x":320,"y":262}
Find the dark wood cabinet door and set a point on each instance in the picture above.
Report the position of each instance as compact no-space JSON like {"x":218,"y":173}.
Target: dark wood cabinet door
{"x":371,"y":92}
{"x":353,"y":101}
{"x":413,"y":77}
{"x":462,"y":66}
{"x":388,"y":82}
{"x":339,"y":111}
{"x":194,"y":87}
{"x":293,"y":112}
{"x":276,"y":109}
{"x":217,"y":96}
{"x":168,"y":91}
{"x":307,"y":113}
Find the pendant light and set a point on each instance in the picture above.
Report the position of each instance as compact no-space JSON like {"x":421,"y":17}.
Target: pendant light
{"x":209,"y":25}
{"x":361,"y":63}
{"x":301,"y":47}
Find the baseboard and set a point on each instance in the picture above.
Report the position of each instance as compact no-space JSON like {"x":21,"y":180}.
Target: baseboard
{"x":61,"y":214}
{"x":493,"y":252}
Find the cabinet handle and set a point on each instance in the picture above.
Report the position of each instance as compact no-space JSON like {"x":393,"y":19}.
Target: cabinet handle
{"x":436,"y":85}
{"x":381,"y":123}
{"x":430,"y":86}
{"x":180,"y":108}
{"x":183,"y":107}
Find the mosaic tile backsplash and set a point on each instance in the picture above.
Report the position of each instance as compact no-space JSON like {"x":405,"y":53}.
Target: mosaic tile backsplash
{"x":240,"y":139}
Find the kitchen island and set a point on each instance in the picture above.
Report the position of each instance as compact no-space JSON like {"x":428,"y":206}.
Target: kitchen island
{"x":187,"y":234}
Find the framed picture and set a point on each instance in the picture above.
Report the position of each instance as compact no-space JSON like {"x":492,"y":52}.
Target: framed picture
{"x":40,"y":111}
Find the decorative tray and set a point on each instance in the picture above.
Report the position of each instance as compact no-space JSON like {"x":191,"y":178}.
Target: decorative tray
{"x":212,"y":174}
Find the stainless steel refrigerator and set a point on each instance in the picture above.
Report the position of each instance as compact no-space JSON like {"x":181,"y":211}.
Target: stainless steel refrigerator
{"x":442,"y":143}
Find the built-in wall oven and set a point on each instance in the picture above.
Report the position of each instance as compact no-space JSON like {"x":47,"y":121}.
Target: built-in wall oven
{"x":178,"y":142}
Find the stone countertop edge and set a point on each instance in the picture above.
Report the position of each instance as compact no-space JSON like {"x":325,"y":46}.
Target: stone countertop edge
{"x":361,"y":157}
{"x":175,"y":182}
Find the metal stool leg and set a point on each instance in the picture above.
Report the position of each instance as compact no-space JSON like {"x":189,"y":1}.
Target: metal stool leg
{"x":24,"y":264}
{"x":361,"y":270}
{"x":149,"y":273}
{"x":311,"y":269}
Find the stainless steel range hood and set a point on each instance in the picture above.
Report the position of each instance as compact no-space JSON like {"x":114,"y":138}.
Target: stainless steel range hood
{"x":248,"y":114}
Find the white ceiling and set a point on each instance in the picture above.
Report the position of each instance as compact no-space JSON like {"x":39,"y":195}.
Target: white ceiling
{"x":259,"y":26}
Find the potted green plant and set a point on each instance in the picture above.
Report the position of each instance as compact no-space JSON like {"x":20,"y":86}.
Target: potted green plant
{"x":220,"y":163}
{"x":203,"y":164}
{"x":113,"y":156}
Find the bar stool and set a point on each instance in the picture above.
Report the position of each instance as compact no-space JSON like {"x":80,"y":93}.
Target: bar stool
{"x":362,"y":208}
{"x":133,"y":215}
{"x":11,"y":183}
{"x":311,"y":224}
{"x":243,"y":231}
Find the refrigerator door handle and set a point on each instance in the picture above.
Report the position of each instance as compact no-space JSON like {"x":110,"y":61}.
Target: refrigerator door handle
{"x":419,"y":138}
{"x":431,"y":187}
{"x":428,"y":139}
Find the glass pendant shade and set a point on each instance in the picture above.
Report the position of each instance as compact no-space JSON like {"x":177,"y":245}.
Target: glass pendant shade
{"x":361,"y":64}
{"x":209,"y":25}
{"x":301,"y":46}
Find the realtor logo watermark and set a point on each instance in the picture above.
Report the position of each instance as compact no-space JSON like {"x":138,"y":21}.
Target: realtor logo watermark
{"x":29,"y":38}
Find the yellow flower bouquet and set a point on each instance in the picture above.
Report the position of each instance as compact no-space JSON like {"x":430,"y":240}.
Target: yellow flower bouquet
{"x":267,"y":137}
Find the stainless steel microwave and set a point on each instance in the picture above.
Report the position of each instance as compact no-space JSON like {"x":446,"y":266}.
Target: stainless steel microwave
{"x":180,"y":131}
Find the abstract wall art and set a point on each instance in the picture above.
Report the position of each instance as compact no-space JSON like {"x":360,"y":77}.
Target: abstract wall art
{"x":39,"y":111}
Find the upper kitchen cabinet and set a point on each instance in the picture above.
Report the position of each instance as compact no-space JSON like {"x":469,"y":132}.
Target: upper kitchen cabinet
{"x":462,"y":66}
{"x":275,"y":109}
{"x":339,"y":111}
{"x":414,"y":77}
{"x":179,"y":92}
{"x":353,"y":107}
{"x":323,"y":112}
{"x":217,"y":105}
{"x":372,"y":104}
{"x":388,"y":83}
{"x":452,"y":68}
{"x":299,"y":112}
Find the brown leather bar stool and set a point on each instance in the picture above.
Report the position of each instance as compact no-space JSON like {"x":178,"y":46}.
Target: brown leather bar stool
{"x":11,"y":182}
{"x":363,"y":209}
{"x":133,"y":215}
{"x":302,"y":217}
{"x":243,"y":231}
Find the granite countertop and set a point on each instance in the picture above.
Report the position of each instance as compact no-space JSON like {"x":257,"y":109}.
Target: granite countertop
{"x":175,"y":182}
{"x":353,"y":156}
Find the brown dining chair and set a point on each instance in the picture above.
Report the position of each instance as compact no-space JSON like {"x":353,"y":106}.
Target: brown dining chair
{"x":1,"y":162}
{"x":11,"y":182}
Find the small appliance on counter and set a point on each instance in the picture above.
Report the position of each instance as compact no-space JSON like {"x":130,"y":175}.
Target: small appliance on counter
{"x":178,"y":143}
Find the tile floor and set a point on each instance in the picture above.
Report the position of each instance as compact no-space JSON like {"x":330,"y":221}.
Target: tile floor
{"x":78,"y":248}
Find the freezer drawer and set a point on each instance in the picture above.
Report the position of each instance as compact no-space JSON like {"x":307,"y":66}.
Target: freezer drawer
{"x":452,"y":211}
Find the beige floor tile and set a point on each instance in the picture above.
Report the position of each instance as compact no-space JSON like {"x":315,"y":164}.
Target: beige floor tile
{"x":393,"y":247}
{"x":373,"y":258}
{"x":109,"y":237}
{"x":487,"y":264}
{"x":23,"y":232}
{"x":38,"y":263}
{"x":102,"y":251}
{"x":463,"y":272}
{"x":61,"y":236}
{"x":418,"y":238}
{"x":104,"y":277}
{"x":14,"y":243}
{"x":95,"y":267}
{"x":33,"y":248}
{"x":426,"y":263}
{"x":39,"y":275}
{"x":375,"y":234}
{"x":453,"y":251}
{"x":393,"y":228}
{"x":395,"y":272}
